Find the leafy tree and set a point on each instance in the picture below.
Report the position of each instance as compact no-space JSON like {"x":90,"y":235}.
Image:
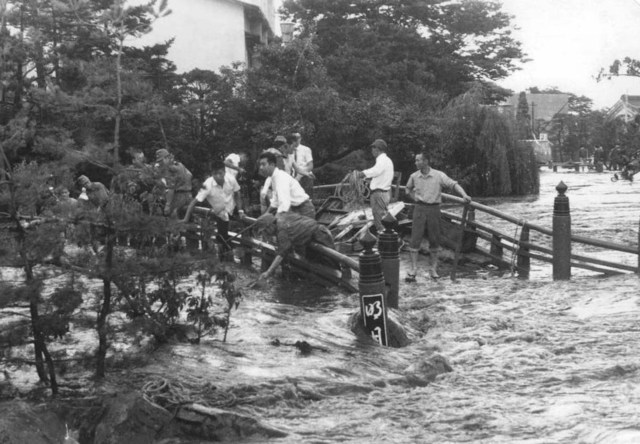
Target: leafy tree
{"x":396,"y":44}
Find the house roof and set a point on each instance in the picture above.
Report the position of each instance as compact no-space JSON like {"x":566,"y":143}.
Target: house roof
{"x":627,"y":106}
{"x":632,"y":101}
{"x":545,"y":106}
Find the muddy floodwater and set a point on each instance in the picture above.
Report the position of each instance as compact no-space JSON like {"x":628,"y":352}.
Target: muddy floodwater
{"x":533,"y":361}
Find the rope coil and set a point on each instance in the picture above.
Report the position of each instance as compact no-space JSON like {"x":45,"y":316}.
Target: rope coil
{"x":352,"y":190}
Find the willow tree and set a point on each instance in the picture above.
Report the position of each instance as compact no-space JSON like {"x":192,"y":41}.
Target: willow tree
{"x":479,"y":147}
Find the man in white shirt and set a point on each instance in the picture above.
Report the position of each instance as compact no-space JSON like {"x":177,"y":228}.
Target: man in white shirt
{"x":222,"y":192}
{"x":288,"y":195}
{"x":381,"y":175}
{"x":302,"y":158}
{"x":233,"y":163}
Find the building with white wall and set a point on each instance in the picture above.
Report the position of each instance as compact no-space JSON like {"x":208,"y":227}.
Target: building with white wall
{"x":210,"y":34}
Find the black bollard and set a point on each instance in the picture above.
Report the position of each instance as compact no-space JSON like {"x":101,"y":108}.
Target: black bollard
{"x":561,"y":235}
{"x":372,"y":291}
{"x":389,"y":246}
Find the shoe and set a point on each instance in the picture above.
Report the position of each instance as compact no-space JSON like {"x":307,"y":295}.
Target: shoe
{"x":410,"y":278}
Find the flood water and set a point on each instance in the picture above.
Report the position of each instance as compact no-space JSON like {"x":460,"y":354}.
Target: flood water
{"x":533,"y":361}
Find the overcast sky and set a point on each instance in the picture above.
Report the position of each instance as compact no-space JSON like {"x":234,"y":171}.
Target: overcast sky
{"x":570,"y":40}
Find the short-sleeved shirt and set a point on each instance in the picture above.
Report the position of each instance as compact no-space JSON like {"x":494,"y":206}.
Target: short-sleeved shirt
{"x":428,"y":187}
{"x":178,"y":177}
{"x":220,"y":198}
{"x":233,"y":159}
{"x":381,"y":174}
{"x":97,"y":194}
{"x":303,"y":157}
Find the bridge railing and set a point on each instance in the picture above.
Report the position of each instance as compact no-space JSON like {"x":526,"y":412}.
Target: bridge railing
{"x":531,"y":241}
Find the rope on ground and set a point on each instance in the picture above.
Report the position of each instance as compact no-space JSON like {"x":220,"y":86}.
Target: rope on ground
{"x":352,"y":190}
{"x":172,"y":395}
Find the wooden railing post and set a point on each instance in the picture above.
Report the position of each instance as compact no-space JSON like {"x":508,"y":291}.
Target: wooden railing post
{"x":523,"y":261}
{"x":496,"y":250}
{"x":561,"y":235}
{"x":638,"y":248}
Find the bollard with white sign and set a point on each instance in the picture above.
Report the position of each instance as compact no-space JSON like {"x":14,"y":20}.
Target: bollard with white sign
{"x":372,"y":291}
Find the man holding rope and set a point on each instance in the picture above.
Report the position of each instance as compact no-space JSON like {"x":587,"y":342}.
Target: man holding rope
{"x":381,"y":175}
{"x":425,"y":189}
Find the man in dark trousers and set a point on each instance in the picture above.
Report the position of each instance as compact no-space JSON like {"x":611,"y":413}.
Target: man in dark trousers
{"x":293,"y":231}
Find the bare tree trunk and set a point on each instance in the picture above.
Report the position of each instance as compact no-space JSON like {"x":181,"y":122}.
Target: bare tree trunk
{"x":105,"y":309}
{"x":116,"y":130}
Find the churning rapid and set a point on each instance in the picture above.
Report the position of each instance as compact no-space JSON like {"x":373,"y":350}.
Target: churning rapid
{"x":533,"y":361}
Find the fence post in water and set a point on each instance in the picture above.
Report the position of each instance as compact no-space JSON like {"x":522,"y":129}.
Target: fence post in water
{"x":388,"y":246}
{"x":496,"y":249}
{"x":523,"y":261}
{"x":638,"y":248}
{"x":372,"y":291}
{"x":561,"y":235}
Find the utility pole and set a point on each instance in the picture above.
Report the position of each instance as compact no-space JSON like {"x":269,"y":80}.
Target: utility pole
{"x":533,"y":120}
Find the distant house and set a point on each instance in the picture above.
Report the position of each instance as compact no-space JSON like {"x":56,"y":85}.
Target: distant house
{"x":542,"y":110}
{"x":626,"y":108}
{"x":542,"y":107}
{"x":210,"y":34}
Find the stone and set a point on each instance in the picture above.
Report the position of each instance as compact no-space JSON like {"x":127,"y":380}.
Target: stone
{"x":221,"y":425}
{"x":22,"y":423}
{"x":133,"y":419}
{"x":424,"y":372}
{"x":396,"y":335}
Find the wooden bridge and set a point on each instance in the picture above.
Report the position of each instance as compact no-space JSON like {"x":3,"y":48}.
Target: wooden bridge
{"x":528,"y":242}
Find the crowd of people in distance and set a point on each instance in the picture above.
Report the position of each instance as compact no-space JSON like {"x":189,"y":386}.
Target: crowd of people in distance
{"x":626,"y":161}
{"x":287,"y":213}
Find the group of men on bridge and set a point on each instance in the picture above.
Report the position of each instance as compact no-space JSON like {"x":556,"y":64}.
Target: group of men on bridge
{"x":287,"y":211}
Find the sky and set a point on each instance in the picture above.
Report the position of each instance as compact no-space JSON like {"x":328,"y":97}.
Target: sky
{"x":569,"y":41}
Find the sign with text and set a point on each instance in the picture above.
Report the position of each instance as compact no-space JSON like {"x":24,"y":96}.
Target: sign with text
{"x":375,"y":317}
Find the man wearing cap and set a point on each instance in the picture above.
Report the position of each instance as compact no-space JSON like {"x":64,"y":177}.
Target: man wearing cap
{"x":287,"y":195}
{"x":178,"y":182}
{"x":293,"y":231}
{"x":425,"y":187}
{"x":381,"y":175}
{"x":97,"y":194}
{"x":222,"y":192}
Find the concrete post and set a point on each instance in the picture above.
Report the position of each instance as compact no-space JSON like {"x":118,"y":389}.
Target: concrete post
{"x":561,"y":235}
{"x":389,"y":246}
{"x":372,"y":291}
